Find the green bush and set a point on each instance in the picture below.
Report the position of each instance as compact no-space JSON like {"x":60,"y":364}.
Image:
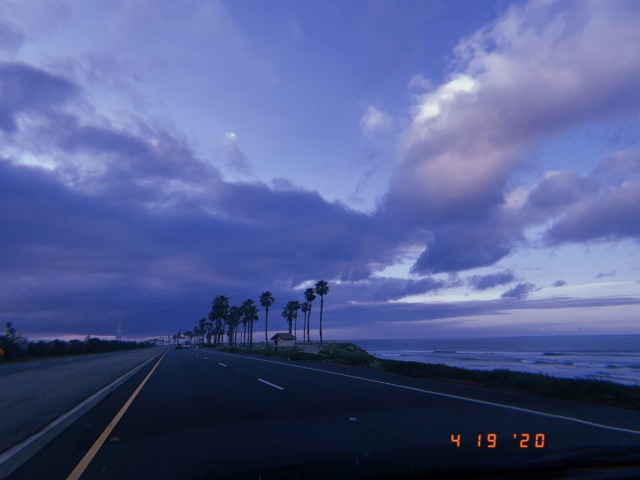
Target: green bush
{"x":58,"y":347}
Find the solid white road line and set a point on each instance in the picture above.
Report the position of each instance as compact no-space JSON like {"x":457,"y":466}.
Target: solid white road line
{"x":270,"y":384}
{"x":448,"y":395}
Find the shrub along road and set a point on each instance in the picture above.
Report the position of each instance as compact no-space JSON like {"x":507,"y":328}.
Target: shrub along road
{"x":199,"y":413}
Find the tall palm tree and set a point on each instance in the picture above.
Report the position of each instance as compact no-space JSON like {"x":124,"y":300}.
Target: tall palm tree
{"x":202,"y":328}
{"x":287,"y":313}
{"x":235,"y":314}
{"x":322,"y":288}
{"x":305,"y":307}
{"x":208,"y":331}
{"x":266,"y":300}
{"x":295,"y":306}
{"x":250,"y":313}
{"x":310,"y":295}
{"x":219,"y":314}
{"x":196,"y":333}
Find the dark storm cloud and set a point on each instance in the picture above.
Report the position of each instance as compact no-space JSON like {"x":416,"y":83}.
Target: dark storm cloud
{"x":25,"y":89}
{"x":484,"y":282}
{"x":68,"y":256}
{"x":466,"y":246}
{"x":130,"y":224}
{"x":520,"y":291}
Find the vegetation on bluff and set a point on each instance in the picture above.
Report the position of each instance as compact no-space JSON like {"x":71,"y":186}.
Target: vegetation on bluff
{"x":15,"y":347}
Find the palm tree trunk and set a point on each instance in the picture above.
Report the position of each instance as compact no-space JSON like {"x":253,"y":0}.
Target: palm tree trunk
{"x":309,"y":323}
{"x":266,"y":327}
{"x":321,"y":310}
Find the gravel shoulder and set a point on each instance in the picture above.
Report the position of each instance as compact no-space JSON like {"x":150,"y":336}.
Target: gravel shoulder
{"x":30,"y":400}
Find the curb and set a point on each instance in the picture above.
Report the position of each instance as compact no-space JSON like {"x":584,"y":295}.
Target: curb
{"x":17,"y":455}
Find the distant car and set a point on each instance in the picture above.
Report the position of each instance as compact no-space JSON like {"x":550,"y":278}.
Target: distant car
{"x":186,"y":345}
{"x":178,"y":346}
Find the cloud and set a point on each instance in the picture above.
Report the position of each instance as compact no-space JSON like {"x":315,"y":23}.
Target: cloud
{"x":418,"y":82}
{"x":484,"y":282}
{"x":559,"y":283}
{"x":557,"y":191}
{"x":609,"y":217}
{"x":429,"y":313}
{"x":11,"y":38}
{"x":465,"y":246}
{"x":374,"y":120}
{"x":611,"y":213}
{"x":535,"y":73}
{"x":383,"y":289}
{"x":235,"y":157}
{"x":606,"y":274}
{"x":126,"y":220}
{"x":520,"y":291}
{"x":108,"y":220}
{"x":26,"y":89}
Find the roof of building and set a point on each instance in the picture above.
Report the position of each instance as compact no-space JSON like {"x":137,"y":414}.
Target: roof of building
{"x":283,"y":336}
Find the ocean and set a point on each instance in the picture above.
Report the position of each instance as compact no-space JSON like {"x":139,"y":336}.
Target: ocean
{"x":615,"y":358}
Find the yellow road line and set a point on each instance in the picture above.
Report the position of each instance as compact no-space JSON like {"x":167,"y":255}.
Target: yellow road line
{"x":86,"y":460}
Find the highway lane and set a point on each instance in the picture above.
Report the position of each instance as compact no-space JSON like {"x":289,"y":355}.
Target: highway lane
{"x":13,"y":368}
{"x":205,"y":413}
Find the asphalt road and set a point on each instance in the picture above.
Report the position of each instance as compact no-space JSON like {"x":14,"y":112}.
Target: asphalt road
{"x":203,"y":414}
{"x":14,"y":368}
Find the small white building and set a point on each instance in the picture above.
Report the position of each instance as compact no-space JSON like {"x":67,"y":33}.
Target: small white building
{"x":283,"y":340}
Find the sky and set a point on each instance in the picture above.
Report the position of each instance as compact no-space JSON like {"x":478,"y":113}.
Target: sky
{"x":451,"y":168}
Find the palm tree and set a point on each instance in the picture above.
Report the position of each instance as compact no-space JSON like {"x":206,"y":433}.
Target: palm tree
{"x":287,"y":312}
{"x":250,"y":313}
{"x":235,"y":314}
{"x":219,"y":314}
{"x":266,"y":300}
{"x":208,"y":330}
{"x":196,"y":333}
{"x":322,"y":288}
{"x":202,"y":328}
{"x":310,"y":295}
{"x":295,"y":306}
{"x":306,"y":306}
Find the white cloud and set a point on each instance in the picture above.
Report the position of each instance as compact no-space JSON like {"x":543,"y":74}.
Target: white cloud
{"x":537,"y":71}
{"x":418,"y":82}
{"x":374,"y":120}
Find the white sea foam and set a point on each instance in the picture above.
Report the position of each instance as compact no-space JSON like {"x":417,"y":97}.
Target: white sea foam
{"x":612,"y":358}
